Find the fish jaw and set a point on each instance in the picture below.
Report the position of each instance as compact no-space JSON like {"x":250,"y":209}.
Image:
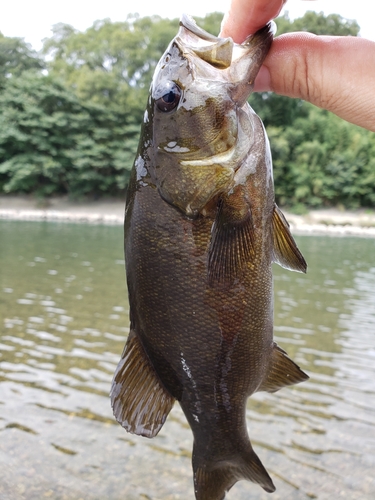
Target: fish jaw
{"x":241,"y":62}
{"x":249,"y":57}
{"x":199,"y":134}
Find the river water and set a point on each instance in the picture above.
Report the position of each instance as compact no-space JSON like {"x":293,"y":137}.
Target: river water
{"x":63,"y":322}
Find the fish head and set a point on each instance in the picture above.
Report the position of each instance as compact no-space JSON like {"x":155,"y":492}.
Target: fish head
{"x":197,"y":134}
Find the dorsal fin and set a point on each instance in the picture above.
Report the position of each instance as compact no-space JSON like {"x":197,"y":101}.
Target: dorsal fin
{"x":282,"y":371}
{"x":139,"y":401}
{"x":285,"y":250}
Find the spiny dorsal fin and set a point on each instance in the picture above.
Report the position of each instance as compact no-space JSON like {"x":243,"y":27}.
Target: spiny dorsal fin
{"x":282,"y":371}
{"x":139,"y":401}
{"x":232,"y":240}
{"x":285,"y":250}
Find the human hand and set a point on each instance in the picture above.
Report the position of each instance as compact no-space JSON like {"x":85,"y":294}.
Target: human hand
{"x":334,"y":73}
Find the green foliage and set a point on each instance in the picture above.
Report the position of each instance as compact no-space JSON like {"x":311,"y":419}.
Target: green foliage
{"x":51,"y":142}
{"x":277,"y":110}
{"x":110,"y":63}
{"x":319,"y":160}
{"x":113,"y":63}
{"x":319,"y":24}
{"x":16,"y":56}
{"x":211,"y":22}
{"x":322,"y":160}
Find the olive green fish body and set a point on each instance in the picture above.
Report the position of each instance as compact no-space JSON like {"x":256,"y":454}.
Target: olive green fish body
{"x":201,"y":233}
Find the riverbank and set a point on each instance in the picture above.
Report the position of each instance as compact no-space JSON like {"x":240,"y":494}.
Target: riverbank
{"x":111,"y":211}
{"x":104,"y":211}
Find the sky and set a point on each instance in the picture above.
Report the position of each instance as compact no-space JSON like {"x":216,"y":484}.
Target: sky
{"x":33,"y":19}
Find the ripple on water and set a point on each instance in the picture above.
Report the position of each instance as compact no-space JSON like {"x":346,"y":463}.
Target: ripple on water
{"x":58,"y":355}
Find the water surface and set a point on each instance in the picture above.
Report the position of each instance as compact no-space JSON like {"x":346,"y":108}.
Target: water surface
{"x":63,"y":323}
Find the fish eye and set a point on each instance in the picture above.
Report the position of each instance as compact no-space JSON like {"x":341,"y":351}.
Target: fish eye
{"x":170,"y":99}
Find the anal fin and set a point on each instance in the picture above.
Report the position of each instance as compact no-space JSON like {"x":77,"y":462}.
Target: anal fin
{"x":282,"y":371}
{"x":285,"y":250}
{"x":139,"y":401}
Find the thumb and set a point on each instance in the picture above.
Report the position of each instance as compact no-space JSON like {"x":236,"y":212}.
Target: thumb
{"x":334,"y":73}
{"x":245,"y":17}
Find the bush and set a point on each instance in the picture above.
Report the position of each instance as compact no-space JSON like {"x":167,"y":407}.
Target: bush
{"x":322,"y":160}
{"x":51,"y":142}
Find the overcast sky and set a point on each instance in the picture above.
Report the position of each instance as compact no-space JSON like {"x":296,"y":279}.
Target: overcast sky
{"x":33,"y":19}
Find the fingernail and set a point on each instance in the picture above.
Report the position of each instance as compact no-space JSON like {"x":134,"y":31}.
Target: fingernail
{"x":263,"y":80}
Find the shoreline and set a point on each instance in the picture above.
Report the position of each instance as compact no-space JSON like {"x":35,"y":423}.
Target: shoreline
{"x":61,"y":209}
{"x":111,"y":211}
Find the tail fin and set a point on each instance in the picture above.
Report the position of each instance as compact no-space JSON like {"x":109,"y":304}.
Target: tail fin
{"x":214,"y":479}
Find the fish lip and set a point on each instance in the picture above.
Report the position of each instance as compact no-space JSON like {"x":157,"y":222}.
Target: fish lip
{"x":188,"y":23}
{"x":240,"y":63}
{"x":195,"y":41}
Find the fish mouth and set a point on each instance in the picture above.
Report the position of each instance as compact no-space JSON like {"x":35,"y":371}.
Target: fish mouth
{"x":217,"y":52}
{"x":240,"y":62}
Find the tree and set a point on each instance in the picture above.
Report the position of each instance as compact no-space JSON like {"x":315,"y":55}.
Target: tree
{"x":110,"y":63}
{"x":321,"y":160}
{"x":51,"y":142}
{"x":16,"y":56}
{"x":113,"y":63}
{"x":319,"y":24}
{"x":211,"y":22}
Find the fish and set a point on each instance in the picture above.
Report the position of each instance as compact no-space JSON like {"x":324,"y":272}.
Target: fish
{"x":202,"y":230}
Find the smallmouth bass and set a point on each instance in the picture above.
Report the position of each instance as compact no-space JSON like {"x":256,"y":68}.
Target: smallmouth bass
{"x":201,"y":232}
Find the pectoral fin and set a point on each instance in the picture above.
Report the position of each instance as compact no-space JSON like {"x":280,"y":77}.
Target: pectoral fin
{"x":232,"y":240}
{"x":282,"y":371}
{"x":139,"y":401}
{"x":285,"y":250}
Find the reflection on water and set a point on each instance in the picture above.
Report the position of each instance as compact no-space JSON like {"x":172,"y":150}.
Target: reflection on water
{"x":63,"y":321}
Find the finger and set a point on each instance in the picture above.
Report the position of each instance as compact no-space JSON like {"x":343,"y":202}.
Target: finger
{"x":247,"y":16}
{"x":334,"y":73}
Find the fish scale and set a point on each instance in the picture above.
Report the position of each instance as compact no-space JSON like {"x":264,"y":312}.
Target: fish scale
{"x":201,"y":233}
